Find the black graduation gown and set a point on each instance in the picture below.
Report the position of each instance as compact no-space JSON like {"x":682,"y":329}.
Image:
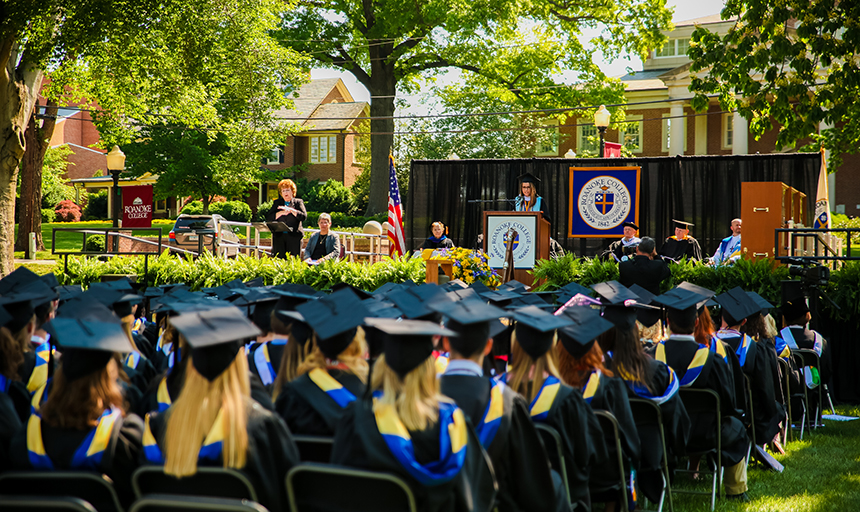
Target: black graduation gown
{"x":582,"y":441}
{"x":271,"y":453}
{"x":287,"y":242}
{"x":144,"y":345}
{"x":715,"y":375}
{"x":767,"y":412}
{"x":645,"y":272}
{"x":276,"y":352}
{"x":737,"y":381}
{"x":358,"y":443}
{"x":308,"y":410}
{"x":445,"y":243}
{"x":677,"y":249}
{"x":19,"y":398}
{"x":805,"y":338}
{"x":120,"y":460}
{"x":519,"y":459}
{"x":611,"y":396}
{"x":141,"y":375}
{"x":617,"y":249}
{"x":544,"y":209}
{"x":9,"y":426}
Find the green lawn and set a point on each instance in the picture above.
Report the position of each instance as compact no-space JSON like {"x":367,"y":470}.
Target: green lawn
{"x":74,"y":241}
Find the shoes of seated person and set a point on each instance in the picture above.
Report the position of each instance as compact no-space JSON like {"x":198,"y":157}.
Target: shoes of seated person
{"x":738,"y":497}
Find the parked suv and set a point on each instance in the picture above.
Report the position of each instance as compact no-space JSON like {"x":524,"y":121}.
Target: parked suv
{"x":184,"y":234}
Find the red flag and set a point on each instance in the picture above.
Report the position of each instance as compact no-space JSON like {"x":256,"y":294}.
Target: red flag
{"x":395,"y":214}
{"x":611,"y":150}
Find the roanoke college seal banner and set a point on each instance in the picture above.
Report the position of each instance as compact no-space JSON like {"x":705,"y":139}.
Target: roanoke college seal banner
{"x":602,"y":199}
{"x":137,"y":206}
{"x":525,"y":239}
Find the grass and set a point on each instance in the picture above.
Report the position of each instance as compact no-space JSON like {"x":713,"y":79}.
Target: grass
{"x":822,"y":473}
{"x":74,"y":241}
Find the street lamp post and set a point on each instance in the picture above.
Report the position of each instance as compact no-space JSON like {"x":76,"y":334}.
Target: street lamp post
{"x":116,"y":164}
{"x":601,"y":121}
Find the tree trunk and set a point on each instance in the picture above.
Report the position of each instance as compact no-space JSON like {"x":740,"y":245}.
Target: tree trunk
{"x":206,"y":199}
{"x":19,"y":86}
{"x":382,"y":88}
{"x":38,"y":140}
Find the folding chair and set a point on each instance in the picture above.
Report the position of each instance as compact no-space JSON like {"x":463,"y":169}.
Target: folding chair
{"x":212,"y":482}
{"x":806,"y":357}
{"x":552,"y":443}
{"x":314,"y":448}
{"x":785,"y":383}
{"x":93,"y":488}
{"x":609,"y":424}
{"x":309,"y":489}
{"x":648,"y":413}
{"x":705,"y":401}
{"x":172,"y":503}
{"x":748,"y":386}
{"x":44,"y":504}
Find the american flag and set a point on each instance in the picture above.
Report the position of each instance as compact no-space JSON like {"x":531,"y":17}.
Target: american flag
{"x":395,"y":214}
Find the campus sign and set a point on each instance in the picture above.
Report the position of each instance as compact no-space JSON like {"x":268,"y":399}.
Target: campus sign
{"x":137,"y":206}
{"x":602,"y":199}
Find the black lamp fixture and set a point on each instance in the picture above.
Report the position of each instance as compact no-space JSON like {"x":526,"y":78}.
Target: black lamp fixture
{"x":601,"y":121}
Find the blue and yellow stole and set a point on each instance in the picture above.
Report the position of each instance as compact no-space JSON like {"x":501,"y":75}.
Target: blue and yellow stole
{"x":453,"y":440}
{"x":132,"y":360}
{"x":742,"y":350}
{"x":162,"y":396}
{"x":694,"y":369}
{"x":263,"y":362}
{"x":211,"y":449}
{"x":139,"y":325}
{"x":40,"y":372}
{"x":40,"y":396}
{"x":489,"y":425}
{"x":590,"y":388}
{"x":540,"y":406}
{"x":671,"y":389}
{"x":442,"y":362}
{"x":331,"y":387}
{"x":89,"y":453}
{"x":782,"y":348}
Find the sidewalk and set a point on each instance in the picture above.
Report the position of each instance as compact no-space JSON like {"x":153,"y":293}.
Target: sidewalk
{"x":34,"y":262}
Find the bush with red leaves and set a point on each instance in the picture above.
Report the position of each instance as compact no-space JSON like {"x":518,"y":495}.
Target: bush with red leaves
{"x":68,"y":211}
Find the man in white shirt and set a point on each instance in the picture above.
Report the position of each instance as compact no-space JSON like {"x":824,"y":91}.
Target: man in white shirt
{"x":730,"y":247}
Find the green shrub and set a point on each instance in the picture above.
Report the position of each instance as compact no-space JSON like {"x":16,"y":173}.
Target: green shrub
{"x":236,"y":211}
{"x":333,"y":197}
{"x":193,"y":208}
{"x":48,"y":215}
{"x":97,"y":206}
{"x":95,"y":243}
{"x":262,"y":210}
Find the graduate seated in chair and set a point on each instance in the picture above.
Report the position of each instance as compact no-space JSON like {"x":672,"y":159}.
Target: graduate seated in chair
{"x":214,"y":421}
{"x":500,"y":415}
{"x":409,"y":429}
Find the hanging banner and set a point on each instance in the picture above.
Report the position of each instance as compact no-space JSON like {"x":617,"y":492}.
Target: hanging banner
{"x":611,"y":150}
{"x":137,"y":206}
{"x":602,"y":199}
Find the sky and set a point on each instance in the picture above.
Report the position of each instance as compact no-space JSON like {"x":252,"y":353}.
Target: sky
{"x":684,"y":10}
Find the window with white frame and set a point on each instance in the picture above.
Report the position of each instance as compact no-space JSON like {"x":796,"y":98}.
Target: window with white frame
{"x":674,"y":48}
{"x":323,"y":149}
{"x":728,"y":130}
{"x":630,"y":134}
{"x":547,"y":139}
{"x":356,"y":147}
{"x":586,"y":138}
{"x":667,"y":130}
{"x":161,"y":206}
{"x":275,"y":157}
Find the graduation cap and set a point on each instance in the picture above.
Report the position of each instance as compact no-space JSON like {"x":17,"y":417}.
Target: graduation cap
{"x":474,"y":321}
{"x":123,"y":284}
{"x":385,"y":288}
{"x":579,"y":337}
{"x":680,"y":224}
{"x":334,"y":319}
{"x":529,"y":299}
{"x":21,"y":304}
{"x":630,"y":225}
{"x":235,"y":283}
{"x":18,"y":277}
{"x":737,"y":305}
{"x":464,"y":294}
{"x":214,"y":336}
{"x":455,"y":285}
{"x":152,"y":292}
{"x":50,"y":279}
{"x":571,"y":289}
{"x":794,"y":308}
{"x":681,"y":303}
{"x":501,"y":297}
{"x":255,"y":283}
{"x":528,"y":178}
{"x":115,"y":298}
{"x":760,"y":302}
{"x":87,"y":309}
{"x":381,"y":309}
{"x":621,"y":304}
{"x":480,"y":288}
{"x":407,"y":343}
{"x":69,"y":291}
{"x":297,"y":288}
{"x":5,"y":317}
{"x":647,"y":316}
{"x":535,"y":328}
{"x":290,"y":298}
{"x":88,"y":344}
{"x":514,"y":286}
{"x":415,"y":302}
{"x":358,"y":291}
{"x":299,"y":329}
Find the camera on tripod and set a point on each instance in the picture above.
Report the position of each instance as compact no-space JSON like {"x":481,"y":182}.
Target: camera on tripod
{"x":814,"y":276}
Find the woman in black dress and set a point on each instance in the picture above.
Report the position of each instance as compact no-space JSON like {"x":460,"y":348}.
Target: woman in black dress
{"x":291,"y":211}
{"x":439,"y":239}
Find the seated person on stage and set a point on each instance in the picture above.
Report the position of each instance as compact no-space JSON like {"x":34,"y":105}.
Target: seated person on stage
{"x":323,"y":245}
{"x":500,"y":415}
{"x":439,"y":239}
{"x":409,"y":429}
{"x":643,"y":270}
{"x":699,"y":368}
{"x":529,"y":200}
{"x":535,"y":376}
{"x":730,"y":247}
{"x":334,"y":374}
{"x":624,"y":249}
{"x":84,"y":425}
{"x":681,"y":244}
{"x":214,"y":421}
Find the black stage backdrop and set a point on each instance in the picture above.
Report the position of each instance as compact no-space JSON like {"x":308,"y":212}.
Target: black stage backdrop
{"x":704,"y":190}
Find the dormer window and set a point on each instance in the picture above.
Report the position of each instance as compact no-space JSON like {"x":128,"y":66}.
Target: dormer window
{"x":674,"y":48}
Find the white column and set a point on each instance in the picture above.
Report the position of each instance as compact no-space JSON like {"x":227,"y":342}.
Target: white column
{"x":111,"y":192}
{"x":676,"y":129}
{"x":702,"y":135}
{"x":740,"y":135}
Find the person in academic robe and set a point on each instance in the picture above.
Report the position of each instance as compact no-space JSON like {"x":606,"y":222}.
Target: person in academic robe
{"x":643,"y":269}
{"x":534,"y":375}
{"x":9,"y":426}
{"x":409,"y":429}
{"x":648,"y":379}
{"x":500,"y":415}
{"x":580,"y":364}
{"x":529,"y":200}
{"x":681,"y":244}
{"x":438,"y":238}
{"x":730,"y":247}
{"x":624,"y":249}
{"x":698,"y":368}
{"x":291,"y":211}
{"x":214,"y":421}
{"x":264,"y":355}
{"x":84,"y":425}
{"x":797,"y":334}
{"x":334,"y":374}
{"x":767,"y":413}
{"x":164,"y":389}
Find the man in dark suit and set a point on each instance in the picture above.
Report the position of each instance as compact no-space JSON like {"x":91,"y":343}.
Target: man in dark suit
{"x":643,"y":270}
{"x":323,"y":245}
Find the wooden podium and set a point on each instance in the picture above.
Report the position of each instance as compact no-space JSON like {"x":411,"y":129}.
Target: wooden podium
{"x":532,"y":241}
{"x":765,"y":206}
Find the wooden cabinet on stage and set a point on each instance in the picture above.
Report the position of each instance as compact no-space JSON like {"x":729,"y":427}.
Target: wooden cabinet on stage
{"x":765,"y":206}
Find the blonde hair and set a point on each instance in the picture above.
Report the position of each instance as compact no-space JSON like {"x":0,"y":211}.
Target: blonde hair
{"x":770,"y":327}
{"x":287,"y":184}
{"x":526,"y":371}
{"x":293,"y":356}
{"x":352,"y":357}
{"x":127,"y":323}
{"x":415,"y":397}
{"x":193,"y":413}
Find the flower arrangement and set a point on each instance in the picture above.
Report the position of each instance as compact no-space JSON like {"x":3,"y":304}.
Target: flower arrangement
{"x":469,"y":266}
